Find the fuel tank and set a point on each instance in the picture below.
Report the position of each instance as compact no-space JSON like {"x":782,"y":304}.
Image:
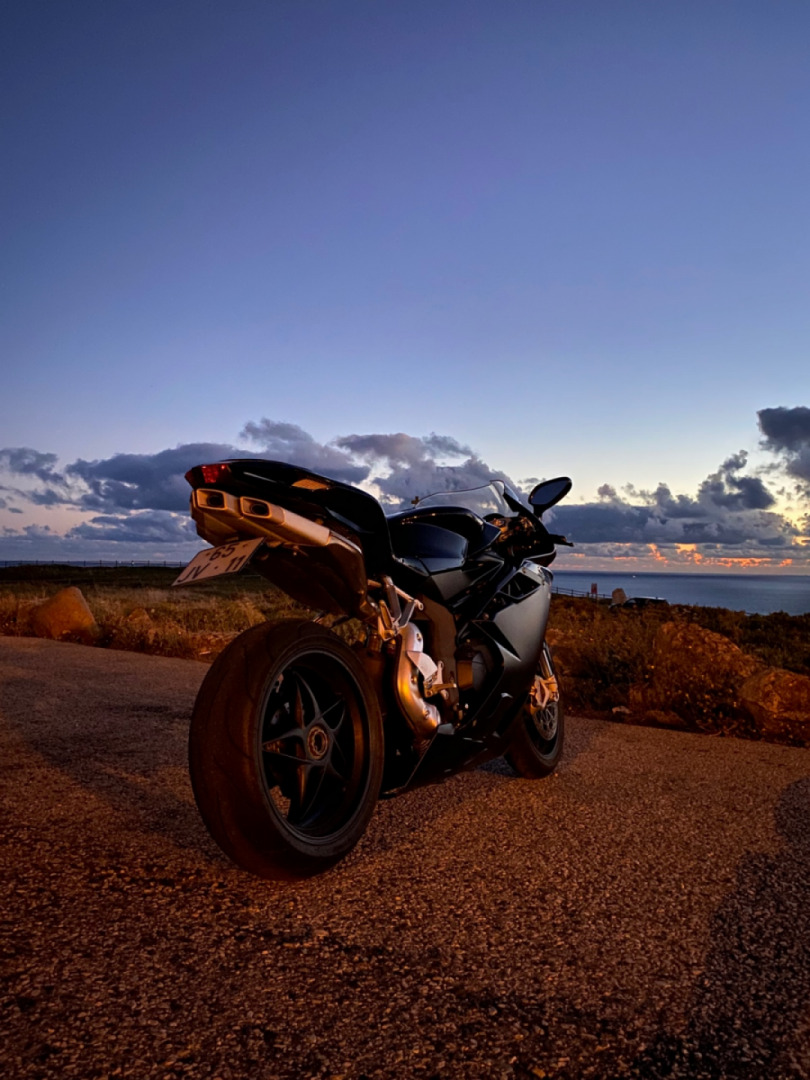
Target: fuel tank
{"x":446,"y":547}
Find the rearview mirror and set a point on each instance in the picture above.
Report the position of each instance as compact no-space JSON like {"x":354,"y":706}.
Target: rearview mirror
{"x":545,"y":495}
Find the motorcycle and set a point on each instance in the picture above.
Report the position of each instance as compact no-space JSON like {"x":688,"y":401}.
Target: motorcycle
{"x":296,"y":732}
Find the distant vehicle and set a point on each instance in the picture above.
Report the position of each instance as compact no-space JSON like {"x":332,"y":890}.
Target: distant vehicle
{"x":640,"y":602}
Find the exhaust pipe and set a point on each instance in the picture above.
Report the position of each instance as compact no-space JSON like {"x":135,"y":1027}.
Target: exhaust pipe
{"x":261,"y":518}
{"x":422,"y":717}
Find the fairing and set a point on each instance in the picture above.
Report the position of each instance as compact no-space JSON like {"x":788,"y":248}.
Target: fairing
{"x":479,"y":608}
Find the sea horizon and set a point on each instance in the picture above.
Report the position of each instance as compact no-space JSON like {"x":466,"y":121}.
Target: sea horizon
{"x":756,"y":594}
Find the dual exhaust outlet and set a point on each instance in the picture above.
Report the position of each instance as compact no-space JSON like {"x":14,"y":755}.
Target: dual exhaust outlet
{"x":266,"y":519}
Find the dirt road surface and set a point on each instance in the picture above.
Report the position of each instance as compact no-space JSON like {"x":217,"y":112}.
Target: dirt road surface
{"x":644,"y":913}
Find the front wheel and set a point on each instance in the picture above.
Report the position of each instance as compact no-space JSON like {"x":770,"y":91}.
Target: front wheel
{"x":286,"y":749}
{"x":539,"y":730}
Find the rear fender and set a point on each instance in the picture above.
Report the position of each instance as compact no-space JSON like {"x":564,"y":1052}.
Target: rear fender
{"x":310,"y":562}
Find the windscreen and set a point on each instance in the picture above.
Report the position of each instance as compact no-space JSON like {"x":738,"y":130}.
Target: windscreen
{"x":484,"y":500}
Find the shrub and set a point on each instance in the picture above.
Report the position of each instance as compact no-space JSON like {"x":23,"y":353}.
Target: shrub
{"x":606,"y":659}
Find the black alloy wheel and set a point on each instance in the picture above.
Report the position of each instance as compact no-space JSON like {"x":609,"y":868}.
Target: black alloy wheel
{"x":286,"y":749}
{"x":309,"y":739}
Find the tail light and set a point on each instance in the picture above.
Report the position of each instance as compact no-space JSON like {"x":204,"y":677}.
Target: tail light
{"x":211,"y":474}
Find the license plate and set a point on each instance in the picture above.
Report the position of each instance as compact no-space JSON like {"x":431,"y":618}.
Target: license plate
{"x":226,"y":559}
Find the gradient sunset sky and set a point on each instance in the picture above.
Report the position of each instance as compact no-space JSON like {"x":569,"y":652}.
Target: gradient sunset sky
{"x":561,"y":237}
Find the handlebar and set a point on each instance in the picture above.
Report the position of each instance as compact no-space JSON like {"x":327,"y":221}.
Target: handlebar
{"x":526,"y":530}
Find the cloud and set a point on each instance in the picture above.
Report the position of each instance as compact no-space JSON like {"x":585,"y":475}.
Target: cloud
{"x":134,"y":505}
{"x":408,"y":466}
{"x":48,"y":497}
{"x":142,"y":499}
{"x":154,"y":536}
{"x":34,"y":467}
{"x":142,"y":481}
{"x":787,"y":433}
{"x":144,"y":527}
{"x":726,"y":489}
{"x":289,"y":442}
{"x":729,"y":509}
{"x":404,"y":466}
{"x":24,"y":461}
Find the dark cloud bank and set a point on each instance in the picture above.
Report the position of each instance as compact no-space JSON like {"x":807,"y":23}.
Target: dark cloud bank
{"x":139,"y":502}
{"x":787,"y":433}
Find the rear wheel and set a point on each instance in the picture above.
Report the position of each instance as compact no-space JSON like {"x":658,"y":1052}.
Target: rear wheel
{"x":539,"y":730}
{"x":286,"y":749}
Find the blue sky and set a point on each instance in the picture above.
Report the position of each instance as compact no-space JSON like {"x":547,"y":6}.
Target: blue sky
{"x":572,"y":237}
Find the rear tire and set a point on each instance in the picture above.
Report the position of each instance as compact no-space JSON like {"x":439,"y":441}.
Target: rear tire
{"x":286,"y":749}
{"x":537,"y":742}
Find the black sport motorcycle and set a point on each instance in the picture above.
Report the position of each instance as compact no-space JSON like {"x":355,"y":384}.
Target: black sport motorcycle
{"x":295,"y":732}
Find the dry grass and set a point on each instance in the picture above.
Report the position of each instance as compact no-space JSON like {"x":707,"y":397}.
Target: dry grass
{"x":194,"y":622}
{"x":137,"y":609}
{"x":612,"y":650}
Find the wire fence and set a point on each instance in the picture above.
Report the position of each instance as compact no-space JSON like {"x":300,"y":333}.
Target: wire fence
{"x":110,"y":563}
{"x":582,"y":594}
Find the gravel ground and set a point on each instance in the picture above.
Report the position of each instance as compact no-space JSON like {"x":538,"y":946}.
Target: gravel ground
{"x":646,"y":912}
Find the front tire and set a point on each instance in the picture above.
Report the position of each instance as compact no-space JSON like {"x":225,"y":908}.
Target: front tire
{"x":286,"y":749}
{"x":537,"y":742}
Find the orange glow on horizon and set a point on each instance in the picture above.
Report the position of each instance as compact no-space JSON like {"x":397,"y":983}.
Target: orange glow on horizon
{"x":741,"y":561}
{"x":674,"y":557}
{"x":691,"y":552}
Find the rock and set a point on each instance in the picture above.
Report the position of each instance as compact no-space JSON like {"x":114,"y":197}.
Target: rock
{"x":140,"y":626}
{"x":139,"y":616}
{"x":65,"y":615}
{"x":695,"y":674}
{"x":664,"y":718}
{"x":693,"y":652}
{"x":779,"y":702}
{"x":618,"y":596}
{"x":207,"y":645}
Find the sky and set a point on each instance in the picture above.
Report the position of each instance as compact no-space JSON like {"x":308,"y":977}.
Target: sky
{"x":409,"y":242}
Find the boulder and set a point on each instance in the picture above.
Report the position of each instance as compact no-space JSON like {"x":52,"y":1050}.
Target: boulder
{"x":694,"y":673}
{"x":139,"y":619}
{"x":139,"y":628}
{"x":65,"y":615}
{"x":665,"y":718}
{"x":779,"y":703}
{"x":618,"y":596}
{"x":689,"y":651}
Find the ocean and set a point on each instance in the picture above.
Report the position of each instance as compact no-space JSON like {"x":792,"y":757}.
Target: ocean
{"x":755,"y":593}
